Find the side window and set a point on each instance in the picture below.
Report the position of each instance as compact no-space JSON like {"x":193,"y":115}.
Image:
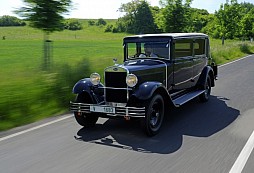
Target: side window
{"x":183,"y":48}
{"x":199,"y":47}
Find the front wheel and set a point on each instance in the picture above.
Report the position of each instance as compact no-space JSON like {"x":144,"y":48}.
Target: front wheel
{"x":152,"y":122}
{"x":85,"y":119}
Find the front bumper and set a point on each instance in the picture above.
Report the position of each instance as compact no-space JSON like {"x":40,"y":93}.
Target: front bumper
{"x":118,"y":110}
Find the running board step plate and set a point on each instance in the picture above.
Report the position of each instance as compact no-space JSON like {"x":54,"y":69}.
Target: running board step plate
{"x":187,"y":97}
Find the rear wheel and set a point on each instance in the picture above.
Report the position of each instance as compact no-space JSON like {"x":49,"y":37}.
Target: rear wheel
{"x":85,"y":119}
{"x":152,"y":122}
{"x":207,"y":87}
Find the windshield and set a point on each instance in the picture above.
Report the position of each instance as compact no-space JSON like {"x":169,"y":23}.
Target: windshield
{"x":147,"y":50}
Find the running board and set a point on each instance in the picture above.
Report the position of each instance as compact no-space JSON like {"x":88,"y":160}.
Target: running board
{"x":187,"y":97}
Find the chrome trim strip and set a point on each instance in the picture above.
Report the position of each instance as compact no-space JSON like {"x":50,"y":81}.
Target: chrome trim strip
{"x":196,"y":75}
{"x":129,"y":89}
{"x":183,"y":81}
{"x":188,"y":79}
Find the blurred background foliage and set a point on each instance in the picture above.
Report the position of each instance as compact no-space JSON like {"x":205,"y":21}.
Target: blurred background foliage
{"x":29,"y":93}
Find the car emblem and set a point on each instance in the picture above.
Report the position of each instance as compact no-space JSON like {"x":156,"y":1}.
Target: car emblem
{"x":115,"y":69}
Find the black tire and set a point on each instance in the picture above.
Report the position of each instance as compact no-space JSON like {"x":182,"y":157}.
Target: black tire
{"x":85,"y":119}
{"x":152,"y":122}
{"x":207,"y":87}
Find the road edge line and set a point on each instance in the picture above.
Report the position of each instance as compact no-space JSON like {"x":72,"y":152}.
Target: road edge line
{"x":243,"y":156}
{"x":34,"y":128}
{"x":235,"y":61}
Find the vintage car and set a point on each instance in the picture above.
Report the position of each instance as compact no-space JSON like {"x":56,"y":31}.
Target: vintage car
{"x":159,"y":71}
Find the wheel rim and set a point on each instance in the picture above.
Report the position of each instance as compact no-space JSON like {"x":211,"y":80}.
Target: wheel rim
{"x":156,"y":113}
{"x":207,"y":88}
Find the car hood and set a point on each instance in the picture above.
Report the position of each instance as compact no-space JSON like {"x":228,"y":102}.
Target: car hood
{"x":142,"y":64}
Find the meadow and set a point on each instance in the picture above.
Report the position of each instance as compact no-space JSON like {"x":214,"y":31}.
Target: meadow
{"x":28,"y":94}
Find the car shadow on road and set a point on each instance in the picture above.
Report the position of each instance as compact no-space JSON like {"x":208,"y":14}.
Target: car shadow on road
{"x":193,"y":119}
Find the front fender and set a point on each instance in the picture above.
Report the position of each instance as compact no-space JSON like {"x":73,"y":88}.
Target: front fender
{"x":82,"y":85}
{"x":147,"y":89}
{"x":85,"y":86}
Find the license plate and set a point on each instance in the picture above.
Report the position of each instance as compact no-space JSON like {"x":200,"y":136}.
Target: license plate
{"x":102,"y":109}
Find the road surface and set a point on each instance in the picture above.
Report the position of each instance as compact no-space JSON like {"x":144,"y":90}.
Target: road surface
{"x":196,"y":138}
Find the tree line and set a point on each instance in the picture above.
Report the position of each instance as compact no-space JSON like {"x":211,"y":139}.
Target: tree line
{"x":231,"y":20}
{"x":11,"y":21}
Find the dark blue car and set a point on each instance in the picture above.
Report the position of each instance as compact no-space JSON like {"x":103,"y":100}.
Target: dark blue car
{"x":159,"y":71}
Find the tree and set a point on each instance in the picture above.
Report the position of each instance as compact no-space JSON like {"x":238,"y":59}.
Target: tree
{"x":247,"y":25}
{"x":45,"y":15}
{"x":212,"y":27}
{"x":175,"y":15}
{"x":138,"y":18}
{"x":247,"y":6}
{"x":229,"y":16}
{"x":198,"y":20}
{"x":157,"y":15}
{"x":144,"y":21}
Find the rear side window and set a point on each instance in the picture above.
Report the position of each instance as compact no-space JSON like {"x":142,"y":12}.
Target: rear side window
{"x":199,"y":47}
{"x":183,"y":48}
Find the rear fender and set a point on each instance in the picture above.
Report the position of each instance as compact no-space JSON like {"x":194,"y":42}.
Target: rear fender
{"x":206,"y":71}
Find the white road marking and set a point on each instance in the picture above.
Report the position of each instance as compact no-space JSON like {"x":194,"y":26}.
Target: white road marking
{"x":34,"y":128}
{"x":244,"y":156}
{"x":246,"y":151}
{"x":234,"y":61}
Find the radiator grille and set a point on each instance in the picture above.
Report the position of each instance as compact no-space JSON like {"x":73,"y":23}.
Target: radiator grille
{"x":116,"y":80}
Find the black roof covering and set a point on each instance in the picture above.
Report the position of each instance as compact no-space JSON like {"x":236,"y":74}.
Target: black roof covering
{"x":163,"y":36}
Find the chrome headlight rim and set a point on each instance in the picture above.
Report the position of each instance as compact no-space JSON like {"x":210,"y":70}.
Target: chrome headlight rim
{"x":95,"y":78}
{"x":131,"y":80}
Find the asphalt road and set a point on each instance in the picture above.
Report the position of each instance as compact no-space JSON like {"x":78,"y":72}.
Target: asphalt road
{"x":196,"y":138}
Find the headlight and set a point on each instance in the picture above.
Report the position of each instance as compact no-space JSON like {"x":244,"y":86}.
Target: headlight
{"x":131,"y":80}
{"x":95,"y":78}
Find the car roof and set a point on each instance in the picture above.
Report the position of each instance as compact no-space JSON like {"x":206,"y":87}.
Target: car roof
{"x":171,"y":35}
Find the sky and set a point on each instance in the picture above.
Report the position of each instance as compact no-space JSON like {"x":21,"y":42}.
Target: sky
{"x":106,"y":9}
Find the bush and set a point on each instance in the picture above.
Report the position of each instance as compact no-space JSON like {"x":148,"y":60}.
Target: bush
{"x":120,"y":27}
{"x":91,"y":22}
{"x":115,"y":30}
{"x":11,"y":21}
{"x":101,"y":22}
{"x":245,"y":48}
{"x":73,"y":25}
{"x":109,"y":28}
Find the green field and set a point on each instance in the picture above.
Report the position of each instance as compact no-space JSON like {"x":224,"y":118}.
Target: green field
{"x":28,"y":94}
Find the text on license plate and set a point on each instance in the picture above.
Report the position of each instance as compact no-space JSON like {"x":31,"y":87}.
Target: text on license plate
{"x":102,"y":109}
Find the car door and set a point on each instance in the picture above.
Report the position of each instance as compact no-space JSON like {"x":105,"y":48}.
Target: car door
{"x":183,"y":64}
{"x":199,"y":58}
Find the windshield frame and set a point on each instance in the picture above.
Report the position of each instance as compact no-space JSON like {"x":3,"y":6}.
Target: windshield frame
{"x":138,"y":46}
